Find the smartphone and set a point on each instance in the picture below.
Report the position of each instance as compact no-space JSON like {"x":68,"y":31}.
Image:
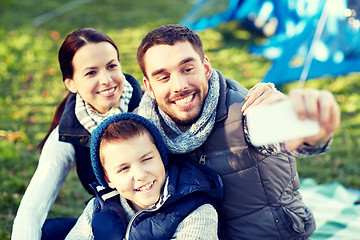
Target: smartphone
{"x":277,"y":122}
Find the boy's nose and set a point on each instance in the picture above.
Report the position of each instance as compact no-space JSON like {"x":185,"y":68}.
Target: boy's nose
{"x":139,"y":173}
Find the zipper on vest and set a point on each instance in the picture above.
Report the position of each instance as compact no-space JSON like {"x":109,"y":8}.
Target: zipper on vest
{"x":202,"y":159}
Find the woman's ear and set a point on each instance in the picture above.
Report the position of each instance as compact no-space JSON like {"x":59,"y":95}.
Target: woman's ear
{"x":69,"y":83}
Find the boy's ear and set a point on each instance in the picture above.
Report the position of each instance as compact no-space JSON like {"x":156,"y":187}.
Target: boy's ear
{"x":69,"y":83}
{"x":108,"y":181}
{"x":148,"y":87}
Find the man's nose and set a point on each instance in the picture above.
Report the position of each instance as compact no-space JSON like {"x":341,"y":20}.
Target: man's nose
{"x":179,"y":83}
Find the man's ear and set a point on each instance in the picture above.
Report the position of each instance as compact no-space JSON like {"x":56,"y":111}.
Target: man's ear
{"x":69,"y":83}
{"x":107,"y":180}
{"x":148,"y":87}
{"x":207,"y":66}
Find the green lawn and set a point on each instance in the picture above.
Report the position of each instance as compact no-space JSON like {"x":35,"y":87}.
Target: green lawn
{"x":31,"y":87}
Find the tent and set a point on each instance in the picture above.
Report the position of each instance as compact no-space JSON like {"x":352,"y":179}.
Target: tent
{"x":312,"y":38}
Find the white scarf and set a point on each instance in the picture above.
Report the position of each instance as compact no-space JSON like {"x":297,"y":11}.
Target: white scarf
{"x":90,"y":118}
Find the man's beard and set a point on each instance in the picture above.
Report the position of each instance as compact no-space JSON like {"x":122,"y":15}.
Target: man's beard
{"x":182,"y":123}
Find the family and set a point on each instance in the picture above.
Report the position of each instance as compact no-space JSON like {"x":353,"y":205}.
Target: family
{"x":175,"y":162}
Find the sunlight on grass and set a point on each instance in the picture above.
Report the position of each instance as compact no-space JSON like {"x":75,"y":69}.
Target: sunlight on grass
{"x":32,"y":87}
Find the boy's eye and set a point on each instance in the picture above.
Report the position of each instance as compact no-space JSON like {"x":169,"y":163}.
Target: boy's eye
{"x":123,"y":169}
{"x":147,"y":159}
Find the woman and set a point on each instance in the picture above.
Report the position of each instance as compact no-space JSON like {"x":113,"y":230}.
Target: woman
{"x":90,"y":65}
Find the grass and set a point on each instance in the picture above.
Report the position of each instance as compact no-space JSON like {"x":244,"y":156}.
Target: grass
{"x":32,"y":87}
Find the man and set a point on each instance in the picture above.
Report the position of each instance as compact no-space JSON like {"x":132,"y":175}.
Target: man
{"x":199,"y":114}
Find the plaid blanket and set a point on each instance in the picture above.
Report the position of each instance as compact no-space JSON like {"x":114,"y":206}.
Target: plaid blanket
{"x":336,"y":210}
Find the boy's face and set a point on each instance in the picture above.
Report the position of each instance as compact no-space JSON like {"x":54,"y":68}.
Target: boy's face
{"x":178,"y":79}
{"x":135,"y":168}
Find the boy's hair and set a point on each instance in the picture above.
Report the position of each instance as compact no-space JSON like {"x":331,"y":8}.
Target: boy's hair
{"x":121,"y":131}
{"x":121,"y":127}
{"x":168,"y":35}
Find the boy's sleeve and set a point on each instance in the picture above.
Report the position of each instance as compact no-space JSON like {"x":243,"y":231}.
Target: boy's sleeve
{"x":202,"y":223}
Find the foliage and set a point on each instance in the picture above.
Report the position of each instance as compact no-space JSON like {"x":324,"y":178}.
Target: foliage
{"x":32,"y":87}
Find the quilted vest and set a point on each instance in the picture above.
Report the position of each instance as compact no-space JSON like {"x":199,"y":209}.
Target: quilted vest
{"x":260,"y":200}
{"x":189,"y":187}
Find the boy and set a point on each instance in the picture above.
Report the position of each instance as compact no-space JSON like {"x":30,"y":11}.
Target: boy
{"x":128,"y":154}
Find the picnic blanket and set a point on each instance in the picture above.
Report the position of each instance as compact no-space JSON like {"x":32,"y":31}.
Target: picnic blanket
{"x":336,"y":210}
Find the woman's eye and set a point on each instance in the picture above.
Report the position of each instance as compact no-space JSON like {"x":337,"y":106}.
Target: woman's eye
{"x":112,"y":66}
{"x":91,"y":73}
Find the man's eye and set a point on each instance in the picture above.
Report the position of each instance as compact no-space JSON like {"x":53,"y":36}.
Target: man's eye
{"x":165,"y":78}
{"x":188,"y":69}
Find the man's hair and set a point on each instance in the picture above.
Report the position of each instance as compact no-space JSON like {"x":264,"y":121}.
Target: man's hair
{"x":168,"y":35}
{"x":122,"y":131}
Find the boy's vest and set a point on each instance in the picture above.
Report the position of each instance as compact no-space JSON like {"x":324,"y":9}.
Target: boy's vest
{"x":189,"y":188}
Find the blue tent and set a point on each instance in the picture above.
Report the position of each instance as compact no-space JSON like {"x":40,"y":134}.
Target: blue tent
{"x":311,"y":38}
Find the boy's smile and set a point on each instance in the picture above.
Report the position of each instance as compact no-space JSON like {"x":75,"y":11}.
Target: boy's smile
{"x":134,"y":167}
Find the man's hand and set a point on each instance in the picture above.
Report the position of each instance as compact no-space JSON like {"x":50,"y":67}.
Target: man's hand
{"x":262,"y":93}
{"x":319,"y":105}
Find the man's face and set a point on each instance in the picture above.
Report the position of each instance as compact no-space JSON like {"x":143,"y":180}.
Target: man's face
{"x":178,"y":79}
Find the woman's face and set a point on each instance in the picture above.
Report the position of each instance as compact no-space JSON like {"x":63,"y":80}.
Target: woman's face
{"x":98,"y":77}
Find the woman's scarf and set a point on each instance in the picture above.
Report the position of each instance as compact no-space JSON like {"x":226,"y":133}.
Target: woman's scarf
{"x":90,"y":118}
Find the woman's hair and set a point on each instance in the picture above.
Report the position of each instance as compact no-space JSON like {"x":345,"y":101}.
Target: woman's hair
{"x":72,"y":43}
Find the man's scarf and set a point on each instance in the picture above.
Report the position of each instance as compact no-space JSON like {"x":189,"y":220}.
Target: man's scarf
{"x":178,"y":141}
